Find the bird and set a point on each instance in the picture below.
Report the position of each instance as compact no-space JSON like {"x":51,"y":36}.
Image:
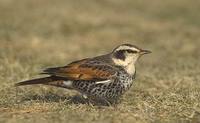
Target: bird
{"x":105,"y":77}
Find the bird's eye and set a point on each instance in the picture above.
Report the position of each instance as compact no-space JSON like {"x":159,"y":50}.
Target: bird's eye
{"x":131,"y":51}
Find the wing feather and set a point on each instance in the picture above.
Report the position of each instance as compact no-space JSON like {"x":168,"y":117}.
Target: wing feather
{"x":86,"y":69}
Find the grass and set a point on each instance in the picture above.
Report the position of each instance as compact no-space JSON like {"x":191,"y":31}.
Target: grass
{"x":36,"y":34}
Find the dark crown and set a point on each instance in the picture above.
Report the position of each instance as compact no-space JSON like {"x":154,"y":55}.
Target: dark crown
{"x":121,"y":51}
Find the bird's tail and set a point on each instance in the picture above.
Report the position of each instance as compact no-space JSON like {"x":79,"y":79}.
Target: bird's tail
{"x":52,"y":80}
{"x":35,"y":81}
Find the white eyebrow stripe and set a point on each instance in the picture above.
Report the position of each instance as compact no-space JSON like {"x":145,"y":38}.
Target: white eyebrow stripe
{"x":102,"y":82}
{"x":126,"y":48}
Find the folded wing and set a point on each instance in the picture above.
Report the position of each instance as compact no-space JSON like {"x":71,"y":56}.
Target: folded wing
{"x":84,"y":70}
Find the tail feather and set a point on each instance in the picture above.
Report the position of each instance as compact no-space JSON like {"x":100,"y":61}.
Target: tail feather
{"x":36,"y":81}
{"x":52,"y":80}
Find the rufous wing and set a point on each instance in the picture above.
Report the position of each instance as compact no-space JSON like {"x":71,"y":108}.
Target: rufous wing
{"x":83,"y":70}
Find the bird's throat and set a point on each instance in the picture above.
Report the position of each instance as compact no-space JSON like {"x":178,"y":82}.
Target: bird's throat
{"x":130,"y":68}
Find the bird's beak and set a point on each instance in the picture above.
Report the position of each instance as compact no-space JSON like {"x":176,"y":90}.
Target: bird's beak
{"x":142,"y":52}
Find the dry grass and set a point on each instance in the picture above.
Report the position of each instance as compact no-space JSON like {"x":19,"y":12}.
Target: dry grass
{"x":35,"y":34}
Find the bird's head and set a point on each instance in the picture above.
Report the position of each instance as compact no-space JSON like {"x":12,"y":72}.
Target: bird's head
{"x":126,"y":55}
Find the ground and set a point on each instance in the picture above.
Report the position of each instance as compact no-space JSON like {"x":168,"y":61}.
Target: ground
{"x":35,"y":34}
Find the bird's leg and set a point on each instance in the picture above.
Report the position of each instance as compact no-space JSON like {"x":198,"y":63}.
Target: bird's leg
{"x":108,"y":102}
{"x":85,"y":96}
{"x":88,"y":100}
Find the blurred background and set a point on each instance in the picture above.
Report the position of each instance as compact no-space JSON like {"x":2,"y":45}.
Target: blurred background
{"x":51,"y":32}
{"x":35,"y":34}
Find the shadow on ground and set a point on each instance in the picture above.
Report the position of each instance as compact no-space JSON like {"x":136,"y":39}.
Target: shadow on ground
{"x":76,"y":99}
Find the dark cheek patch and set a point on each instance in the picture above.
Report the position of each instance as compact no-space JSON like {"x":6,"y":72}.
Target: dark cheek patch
{"x":120,"y":55}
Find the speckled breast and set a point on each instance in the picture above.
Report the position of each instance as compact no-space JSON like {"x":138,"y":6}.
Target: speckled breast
{"x":111,"y":90}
